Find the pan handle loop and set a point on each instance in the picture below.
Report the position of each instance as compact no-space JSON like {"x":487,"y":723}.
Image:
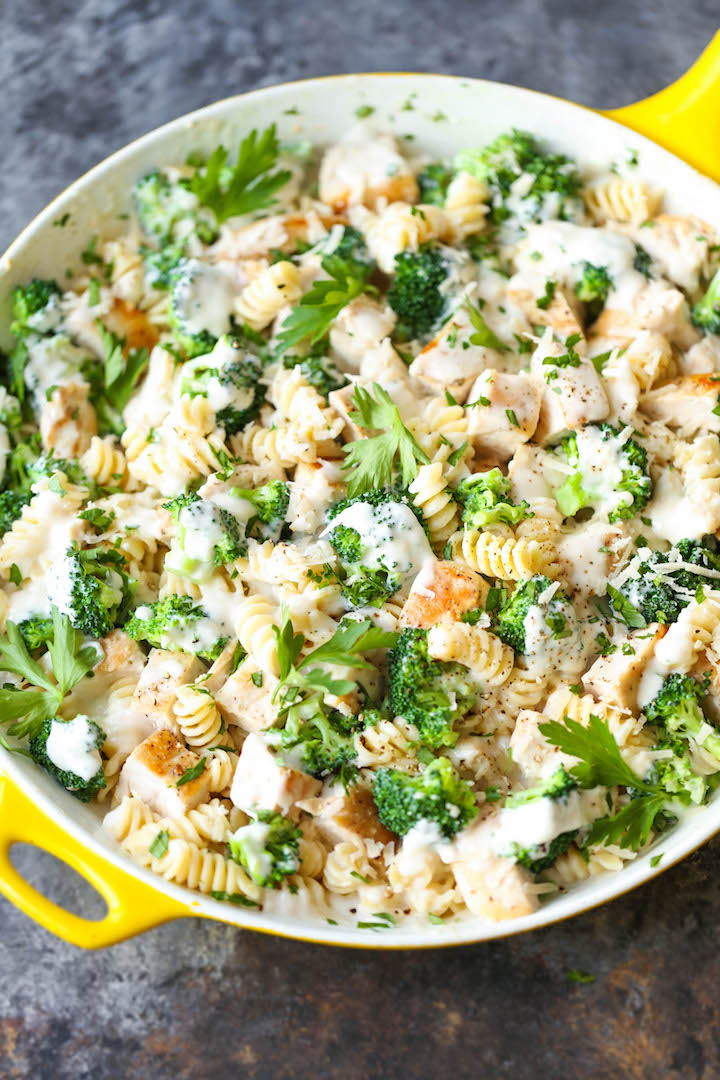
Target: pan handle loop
{"x":133,"y":906}
{"x":685,"y":116}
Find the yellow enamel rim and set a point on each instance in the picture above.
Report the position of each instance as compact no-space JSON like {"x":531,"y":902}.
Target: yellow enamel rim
{"x":681,"y":118}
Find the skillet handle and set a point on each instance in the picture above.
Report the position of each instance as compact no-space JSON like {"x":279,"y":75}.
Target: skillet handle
{"x":685,"y":116}
{"x":132,"y":905}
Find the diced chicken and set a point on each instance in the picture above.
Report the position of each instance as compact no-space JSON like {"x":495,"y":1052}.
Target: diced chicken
{"x":622,"y":389}
{"x":703,"y":358}
{"x":261,"y":782}
{"x":532,"y":755}
{"x":511,"y":415}
{"x":244,"y":703}
{"x":68,"y":421}
{"x":528,"y":474}
{"x":132,"y":325}
{"x":450,"y":361}
{"x":313,"y":489}
{"x":120,"y":653}
{"x":442,"y":589}
{"x":152,"y":771}
{"x":341,"y":402}
{"x":657,"y":307}
{"x":562,"y":313}
{"x":492,"y":886}
{"x":350,"y":815}
{"x":156,"y":691}
{"x":359,"y":327}
{"x":686,"y":405}
{"x":572,"y":394}
{"x":679,"y":245}
{"x":383,"y":366}
{"x":589,"y":555}
{"x":363,"y":168}
{"x":615,"y":679}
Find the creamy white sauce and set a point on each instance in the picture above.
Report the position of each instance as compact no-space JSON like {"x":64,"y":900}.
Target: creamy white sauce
{"x":52,"y":361}
{"x":204,"y":297}
{"x":539,"y":821}
{"x":71,"y":747}
{"x":392,"y":537}
{"x":674,"y":517}
{"x":254,"y":837}
{"x":601,"y":464}
{"x":421,"y":846}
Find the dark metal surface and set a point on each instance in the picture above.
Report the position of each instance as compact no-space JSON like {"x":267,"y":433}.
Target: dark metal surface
{"x":199,"y":1000}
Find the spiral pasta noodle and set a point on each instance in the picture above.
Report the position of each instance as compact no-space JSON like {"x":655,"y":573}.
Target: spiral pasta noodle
{"x":105,"y":463}
{"x":198,"y":715}
{"x":187,"y":864}
{"x":509,"y":558}
{"x":476,"y":648}
{"x":401,"y":227}
{"x":466,"y":206}
{"x":431,"y":495}
{"x":255,"y":619}
{"x":273,"y":288}
{"x":623,"y":199}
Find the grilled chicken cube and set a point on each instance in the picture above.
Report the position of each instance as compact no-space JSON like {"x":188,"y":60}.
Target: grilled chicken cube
{"x":262,"y":782}
{"x":245,"y":703}
{"x":450,"y":361}
{"x":686,"y":405}
{"x":347,"y":815}
{"x":442,"y":589}
{"x":152,"y":772}
{"x":505,"y":412}
{"x":615,"y":679}
{"x":161,"y":678}
{"x":532,"y":755}
{"x":572,"y":394}
{"x":492,"y":886}
{"x":365,"y":167}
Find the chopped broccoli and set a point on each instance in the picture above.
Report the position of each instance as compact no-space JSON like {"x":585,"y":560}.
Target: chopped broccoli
{"x":415,"y":294}
{"x":99,"y":590}
{"x":36,"y":308}
{"x":271,"y":503}
{"x":706,"y":312}
{"x":161,"y":265}
{"x":539,"y":857}
{"x":675,"y":774}
{"x":550,"y":185}
{"x":593,"y":288}
{"x":36,"y":631}
{"x":370,"y":572}
{"x":11,"y":507}
{"x":556,"y":613}
{"x":177,"y":624}
{"x":268,"y":848}
{"x":660,"y":588}
{"x":322,"y":739}
{"x":230,"y":379}
{"x":484,"y":499}
{"x":559,"y":785}
{"x":433,"y":182}
{"x":318,"y":369}
{"x":207,"y":536}
{"x":431,"y":694}
{"x":676,"y":709}
{"x":642,"y":262}
{"x":49,"y":740}
{"x":351,"y":246}
{"x":200,"y":308}
{"x":438,"y":795}
{"x":611,"y":475}
{"x":167,"y":210}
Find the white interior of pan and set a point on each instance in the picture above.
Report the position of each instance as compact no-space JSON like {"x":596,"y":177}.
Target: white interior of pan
{"x":446,"y":113}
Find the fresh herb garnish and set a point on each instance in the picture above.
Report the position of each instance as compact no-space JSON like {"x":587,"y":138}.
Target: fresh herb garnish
{"x":371,"y":460}
{"x":245,"y":187}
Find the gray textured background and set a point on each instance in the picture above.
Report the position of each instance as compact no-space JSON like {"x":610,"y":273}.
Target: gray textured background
{"x":196,"y":1000}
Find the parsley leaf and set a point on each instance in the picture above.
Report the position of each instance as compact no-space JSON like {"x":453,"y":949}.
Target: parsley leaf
{"x":371,"y":460}
{"x":192,"y":773}
{"x":120,"y":373}
{"x":230,"y":191}
{"x":626,"y":611}
{"x":630,"y":827}
{"x":484,"y":335}
{"x":324,"y":301}
{"x":601,"y":764}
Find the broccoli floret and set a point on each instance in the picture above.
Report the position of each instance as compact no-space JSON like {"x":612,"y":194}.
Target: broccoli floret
{"x":271,"y":503}
{"x":318,"y":369}
{"x":675,"y":774}
{"x":206,"y":536}
{"x":484,"y":499}
{"x":100,"y":590}
{"x":433,"y":182}
{"x":352,"y":246}
{"x":590,"y":486}
{"x":593,"y":288}
{"x":431,"y":694}
{"x":268,"y":848}
{"x":415,"y":294}
{"x":370,"y":570}
{"x":539,"y":857}
{"x":553,"y":183}
{"x":509,"y":623}
{"x":47,"y":465}
{"x":676,"y":709}
{"x":438,"y":795}
{"x":323,"y":740}
{"x":11,"y":507}
{"x":200,"y":309}
{"x":167,"y":209}
{"x":161,"y":265}
{"x":36,"y":308}
{"x":706,"y":312}
{"x":177,"y":624}
{"x":653,"y":597}
{"x":49,"y":741}
{"x":230,"y":379}
{"x":36,"y":631}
